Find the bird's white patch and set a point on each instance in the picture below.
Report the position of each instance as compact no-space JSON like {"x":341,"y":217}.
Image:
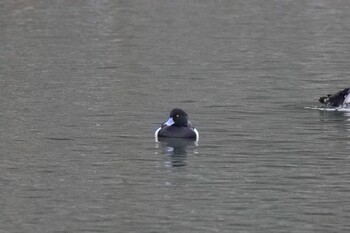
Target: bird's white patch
{"x":156,"y":134}
{"x":197,"y":134}
{"x":347,"y":100}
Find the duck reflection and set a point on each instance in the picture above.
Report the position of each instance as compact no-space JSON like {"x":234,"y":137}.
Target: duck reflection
{"x":334,"y":116}
{"x":176,"y":150}
{"x":347,"y":115}
{"x":339,"y":121}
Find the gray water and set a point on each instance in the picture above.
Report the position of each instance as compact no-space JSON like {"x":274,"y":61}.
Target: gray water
{"x":84,"y":84}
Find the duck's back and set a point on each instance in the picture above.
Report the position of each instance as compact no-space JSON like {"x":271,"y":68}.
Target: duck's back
{"x":337,"y":99}
{"x":177,"y":132}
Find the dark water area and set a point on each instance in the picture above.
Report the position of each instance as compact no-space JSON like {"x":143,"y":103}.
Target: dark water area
{"x":84,"y":85}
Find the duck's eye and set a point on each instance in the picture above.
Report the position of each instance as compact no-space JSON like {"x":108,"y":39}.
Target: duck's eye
{"x":177,"y":115}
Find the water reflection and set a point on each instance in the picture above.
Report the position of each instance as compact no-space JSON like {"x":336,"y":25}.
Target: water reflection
{"x":347,"y":116}
{"x":176,"y":150}
{"x":337,"y":125}
{"x":326,"y":115}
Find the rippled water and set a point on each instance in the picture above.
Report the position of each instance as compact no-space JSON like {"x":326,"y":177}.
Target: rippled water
{"x":84,"y":84}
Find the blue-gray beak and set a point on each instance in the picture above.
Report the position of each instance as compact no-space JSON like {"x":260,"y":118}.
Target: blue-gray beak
{"x":169,"y":122}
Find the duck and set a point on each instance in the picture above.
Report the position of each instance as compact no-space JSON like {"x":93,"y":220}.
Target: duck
{"x":177,"y":126}
{"x":339,"y":99}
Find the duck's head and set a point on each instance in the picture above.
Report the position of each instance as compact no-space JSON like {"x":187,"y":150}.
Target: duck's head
{"x":178,"y":118}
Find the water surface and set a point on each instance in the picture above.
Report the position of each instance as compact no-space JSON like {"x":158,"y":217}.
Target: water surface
{"x":84,"y":84}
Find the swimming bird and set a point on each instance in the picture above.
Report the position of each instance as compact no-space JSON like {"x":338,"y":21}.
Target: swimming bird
{"x":339,"y":99}
{"x":177,"y":126}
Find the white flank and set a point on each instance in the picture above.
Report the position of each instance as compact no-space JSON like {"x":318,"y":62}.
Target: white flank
{"x":156,"y":134}
{"x":197,"y":134}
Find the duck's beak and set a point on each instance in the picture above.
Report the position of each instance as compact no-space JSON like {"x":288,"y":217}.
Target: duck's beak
{"x":169,"y":122}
